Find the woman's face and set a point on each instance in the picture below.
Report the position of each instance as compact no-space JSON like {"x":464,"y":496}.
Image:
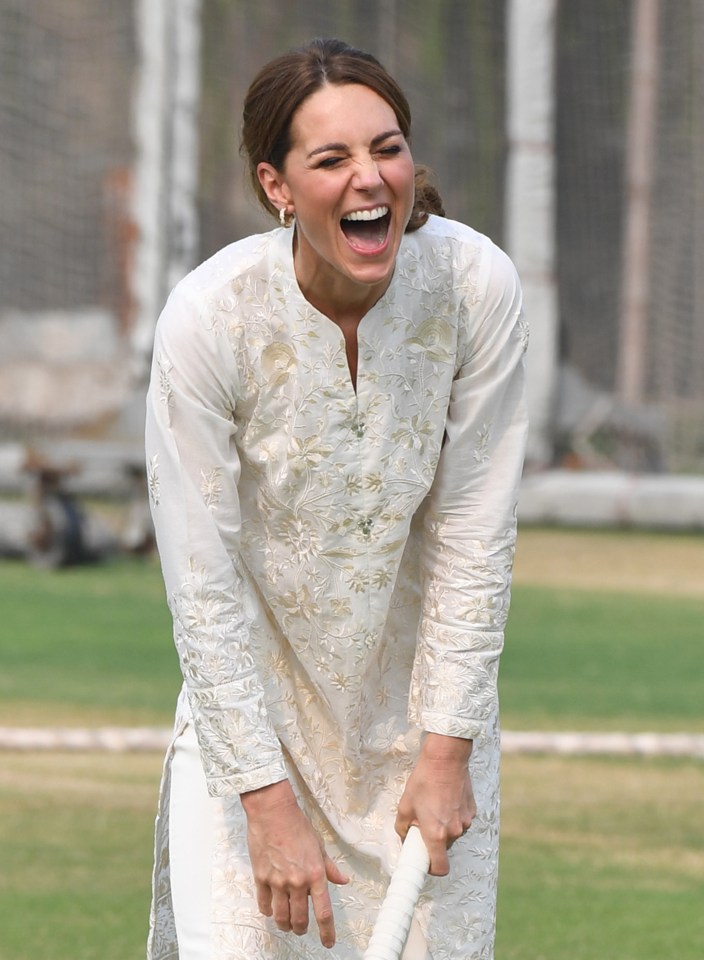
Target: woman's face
{"x":349,"y":180}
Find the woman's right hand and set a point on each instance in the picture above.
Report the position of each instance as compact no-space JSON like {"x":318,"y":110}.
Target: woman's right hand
{"x":289,"y":862}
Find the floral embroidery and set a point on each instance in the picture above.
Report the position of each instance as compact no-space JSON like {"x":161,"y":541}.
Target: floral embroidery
{"x":153,"y":479}
{"x":523,"y":331}
{"x":211,"y":486}
{"x":334,"y":598}
{"x":165,"y":369}
{"x":483,"y":444}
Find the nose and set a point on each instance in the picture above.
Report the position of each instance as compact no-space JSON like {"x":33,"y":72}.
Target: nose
{"x":367,"y":176}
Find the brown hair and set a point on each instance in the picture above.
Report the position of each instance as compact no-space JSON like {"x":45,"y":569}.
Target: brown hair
{"x":281,"y":87}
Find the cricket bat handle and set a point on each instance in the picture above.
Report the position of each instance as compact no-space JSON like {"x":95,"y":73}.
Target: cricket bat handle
{"x":394,"y":921}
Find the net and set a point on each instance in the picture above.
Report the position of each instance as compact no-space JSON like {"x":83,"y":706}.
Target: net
{"x":65,"y":162}
{"x":448,"y":57}
{"x":70,"y":72}
{"x":658,"y":428}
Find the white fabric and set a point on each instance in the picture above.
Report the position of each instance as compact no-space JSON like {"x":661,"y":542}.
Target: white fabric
{"x":337,"y":561}
{"x":191,"y":847}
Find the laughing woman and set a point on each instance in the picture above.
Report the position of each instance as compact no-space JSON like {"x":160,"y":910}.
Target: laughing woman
{"x":335,"y":436}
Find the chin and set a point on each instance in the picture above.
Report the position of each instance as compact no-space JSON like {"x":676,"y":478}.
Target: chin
{"x":372,"y":274}
{"x":371,"y":267}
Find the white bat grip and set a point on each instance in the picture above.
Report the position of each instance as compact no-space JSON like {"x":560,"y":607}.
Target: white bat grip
{"x":394,"y":921}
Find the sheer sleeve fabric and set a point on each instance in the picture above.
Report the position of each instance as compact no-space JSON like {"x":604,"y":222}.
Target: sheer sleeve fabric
{"x":194,"y":470}
{"x":470,"y":524}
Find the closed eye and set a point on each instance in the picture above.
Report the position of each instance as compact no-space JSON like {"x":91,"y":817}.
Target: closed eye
{"x":330,"y":162}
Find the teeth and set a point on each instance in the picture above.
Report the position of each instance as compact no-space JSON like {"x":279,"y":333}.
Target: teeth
{"x":376,"y":214}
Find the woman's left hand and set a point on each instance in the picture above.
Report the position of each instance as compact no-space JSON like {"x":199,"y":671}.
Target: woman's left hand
{"x":438,"y":797}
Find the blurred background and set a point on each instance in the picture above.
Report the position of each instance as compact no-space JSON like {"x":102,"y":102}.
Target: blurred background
{"x":572,"y":133}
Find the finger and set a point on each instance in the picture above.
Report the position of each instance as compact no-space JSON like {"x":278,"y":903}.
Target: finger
{"x":322,"y":909}
{"x":403,"y":823}
{"x":298,"y":911}
{"x":333,"y":872}
{"x":439,"y":861}
{"x":460,"y":832}
{"x":281,"y":910}
{"x":264,"y":899}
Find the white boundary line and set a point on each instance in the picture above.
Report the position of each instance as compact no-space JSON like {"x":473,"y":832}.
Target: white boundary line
{"x":102,"y":739}
{"x":156,"y":739}
{"x":606,"y":744}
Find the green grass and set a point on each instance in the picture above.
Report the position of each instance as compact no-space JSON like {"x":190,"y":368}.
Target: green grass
{"x":94,"y":646}
{"x":89,"y":645}
{"x":600,"y":858}
{"x":76,"y":834}
{"x":588,"y":660}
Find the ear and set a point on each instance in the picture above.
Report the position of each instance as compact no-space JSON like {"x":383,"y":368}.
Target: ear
{"x":273,"y":185}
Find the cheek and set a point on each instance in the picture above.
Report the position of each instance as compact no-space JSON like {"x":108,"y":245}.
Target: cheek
{"x":406,"y":179}
{"x":317,"y":201}
{"x":407,"y":187}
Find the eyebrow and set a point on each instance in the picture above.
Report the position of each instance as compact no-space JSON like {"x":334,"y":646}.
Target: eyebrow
{"x":343,"y":146}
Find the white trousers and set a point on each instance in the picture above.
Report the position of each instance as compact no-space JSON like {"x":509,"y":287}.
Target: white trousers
{"x":191,"y":840}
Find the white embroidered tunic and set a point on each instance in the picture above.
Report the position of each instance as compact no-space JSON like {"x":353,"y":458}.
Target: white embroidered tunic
{"x":337,"y":562}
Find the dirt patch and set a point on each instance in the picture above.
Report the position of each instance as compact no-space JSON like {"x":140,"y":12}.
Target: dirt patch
{"x":608,"y":560}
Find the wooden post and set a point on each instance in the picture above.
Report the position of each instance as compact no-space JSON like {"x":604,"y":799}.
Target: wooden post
{"x":166,"y":168}
{"x":640,"y":165}
{"x":530,"y":202}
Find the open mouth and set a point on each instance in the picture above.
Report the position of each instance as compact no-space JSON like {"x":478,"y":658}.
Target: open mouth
{"x":366,"y":230}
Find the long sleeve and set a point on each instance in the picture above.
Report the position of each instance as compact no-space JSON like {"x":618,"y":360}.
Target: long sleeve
{"x":470,"y":525}
{"x":194,"y":470}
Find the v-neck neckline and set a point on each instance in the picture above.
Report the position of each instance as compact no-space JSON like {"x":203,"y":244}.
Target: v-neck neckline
{"x":329,"y":324}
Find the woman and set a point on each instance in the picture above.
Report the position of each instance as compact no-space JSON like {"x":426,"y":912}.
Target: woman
{"x":335,"y":437}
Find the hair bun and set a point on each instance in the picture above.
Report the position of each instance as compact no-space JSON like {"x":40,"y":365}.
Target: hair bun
{"x":428,"y":200}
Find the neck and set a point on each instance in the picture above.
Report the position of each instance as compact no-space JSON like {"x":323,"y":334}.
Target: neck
{"x":332,"y":293}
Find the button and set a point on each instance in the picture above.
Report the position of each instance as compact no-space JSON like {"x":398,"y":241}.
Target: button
{"x":365,"y":525}
{"x":358,"y":426}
